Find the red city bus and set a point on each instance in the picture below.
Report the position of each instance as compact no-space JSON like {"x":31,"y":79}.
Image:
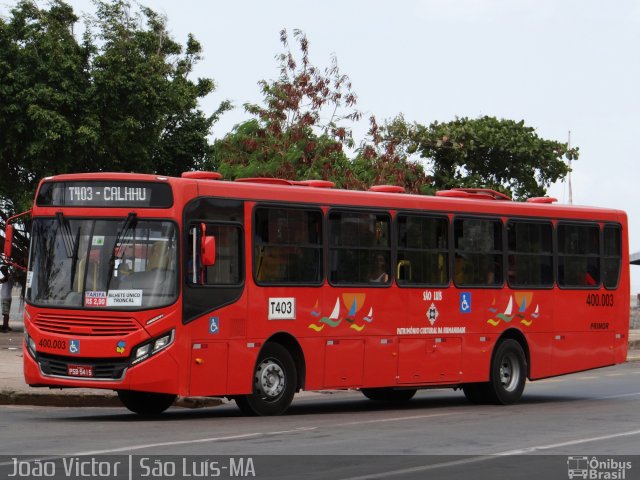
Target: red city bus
{"x":256,"y":289}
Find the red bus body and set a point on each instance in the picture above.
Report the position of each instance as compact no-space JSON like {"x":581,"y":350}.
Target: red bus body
{"x":383,"y":336}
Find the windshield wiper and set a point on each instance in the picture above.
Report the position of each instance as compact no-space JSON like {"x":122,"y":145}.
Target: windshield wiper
{"x":120,"y":246}
{"x":70,"y":244}
{"x":67,"y":237}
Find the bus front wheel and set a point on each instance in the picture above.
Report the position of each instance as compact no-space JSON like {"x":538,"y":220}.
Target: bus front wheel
{"x":274,"y":383}
{"x":146,"y":403}
{"x":507,"y":377}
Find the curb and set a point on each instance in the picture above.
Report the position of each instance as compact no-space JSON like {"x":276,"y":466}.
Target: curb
{"x":58,"y":400}
{"x":92,"y":400}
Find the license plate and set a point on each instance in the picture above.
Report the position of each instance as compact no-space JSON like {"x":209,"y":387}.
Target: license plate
{"x":79,"y":371}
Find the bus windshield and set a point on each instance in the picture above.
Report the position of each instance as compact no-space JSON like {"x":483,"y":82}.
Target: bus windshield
{"x":111,"y":264}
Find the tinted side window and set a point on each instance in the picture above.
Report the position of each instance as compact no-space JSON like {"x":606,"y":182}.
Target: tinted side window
{"x":227,"y":270}
{"x":578,"y":256}
{"x":478,"y":252}
{"x":611,"y":261}
{"x":423,"y":250}
{"x":359,"y":248}
{"x":287,"y":246}
{"x":530,"y":254}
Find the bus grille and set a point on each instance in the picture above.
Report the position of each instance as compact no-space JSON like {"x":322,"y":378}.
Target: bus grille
{"x":82,"y":325}
{"x":103,"y":368}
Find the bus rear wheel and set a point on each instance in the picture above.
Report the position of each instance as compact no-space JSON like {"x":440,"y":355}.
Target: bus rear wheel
{"x":146,"y":403}
{"x":507,"y":377}
{"x":389,"y":394}
{"x":274,"y":383}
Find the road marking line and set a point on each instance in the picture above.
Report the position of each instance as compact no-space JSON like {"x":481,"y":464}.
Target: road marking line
{"x":615,"y":374}
{"x":395,"y":419}
{"x":253,"y":435}
{"x":621,"y":395}
{"x":478,"y":459}
{"x":569,"y":443}
{"x":421,"y":468}
{"x":168,"y":444}
{"x":364,"y":422}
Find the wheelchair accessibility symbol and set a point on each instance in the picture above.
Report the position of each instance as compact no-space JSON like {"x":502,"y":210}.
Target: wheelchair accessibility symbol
{"x":74,"y":346}
{"x":465,"y":302}
{"x":214,"y":325}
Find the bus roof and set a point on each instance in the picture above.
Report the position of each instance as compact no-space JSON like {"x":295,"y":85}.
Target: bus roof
{"x":321,"y":193}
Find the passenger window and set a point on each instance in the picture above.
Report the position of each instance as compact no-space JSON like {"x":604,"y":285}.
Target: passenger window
{"x":227,"y":269}
{"x":287,"y":246}
{"x":530,"y":254}
{"x":359,"y":248}
{"x":578,"y":256}
{"x":478,"y":252}
{"x":423,"y":251}
{"x":611,"y":261}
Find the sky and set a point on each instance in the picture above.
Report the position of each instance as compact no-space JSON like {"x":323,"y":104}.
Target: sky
{"x":559,"y":65}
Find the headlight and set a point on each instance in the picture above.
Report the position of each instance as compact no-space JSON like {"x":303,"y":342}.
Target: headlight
{"x":31,"y":344}
{"x":151,"y":348}
{"x":162,"y":342}
{"x":143,"y":351}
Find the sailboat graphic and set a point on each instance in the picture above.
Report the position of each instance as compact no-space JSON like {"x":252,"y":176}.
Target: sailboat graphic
{"x":507,"y":316}
{"x":333,"y":320}
{"x":352,"y":311}
{"x":314,"y":310}
{"x":536,"y":314}
{"x":369,"y":317}
{"x":493,"y":308}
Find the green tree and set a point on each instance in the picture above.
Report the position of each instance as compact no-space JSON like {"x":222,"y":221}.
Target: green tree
{"x":486,"y":152}
{"x":384,"y":157}
{"x":300,"y":131}
{"x":119,"y":99}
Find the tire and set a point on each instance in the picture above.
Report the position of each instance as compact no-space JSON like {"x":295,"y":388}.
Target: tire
{"x":274,"y":383}
{"x":477,"y":393}
{"x":507,"y":377}
{"x":146,"y":403}
{"x":388,"y":394}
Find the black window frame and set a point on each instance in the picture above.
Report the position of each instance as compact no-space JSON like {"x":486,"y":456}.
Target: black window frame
{"x":320,"y":247}
{"x":390,"y":249}
{"x":604,"y":256}
{"x":558,"y":254}
{"x":446,"y":249}
{"x":552,"y":253}
{"x":498,"y":253}
{"x":242,"y":261}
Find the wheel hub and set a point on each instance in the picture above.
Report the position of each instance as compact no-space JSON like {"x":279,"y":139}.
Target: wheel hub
{"x":509,"y":373}
{"x":271,"y":380}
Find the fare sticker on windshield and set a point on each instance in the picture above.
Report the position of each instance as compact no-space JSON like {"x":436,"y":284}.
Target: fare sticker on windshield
{"x":95,"y":299}
{"x":124,"y":298}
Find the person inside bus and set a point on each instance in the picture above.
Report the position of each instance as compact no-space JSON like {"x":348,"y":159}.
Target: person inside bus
{"x":124,"y":268}
{"x":380,"y":271}
{"x":591,"y":276}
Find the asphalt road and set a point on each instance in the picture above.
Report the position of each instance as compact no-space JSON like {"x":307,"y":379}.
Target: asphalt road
{"x":590,"y":413}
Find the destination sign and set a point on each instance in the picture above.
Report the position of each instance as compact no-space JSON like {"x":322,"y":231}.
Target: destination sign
{"x":105,"y":194}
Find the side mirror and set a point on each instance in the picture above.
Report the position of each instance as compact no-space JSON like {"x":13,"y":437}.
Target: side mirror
{"x":209,"y":251}
{"x":8,"y":240}
{"x":208,"y":248}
